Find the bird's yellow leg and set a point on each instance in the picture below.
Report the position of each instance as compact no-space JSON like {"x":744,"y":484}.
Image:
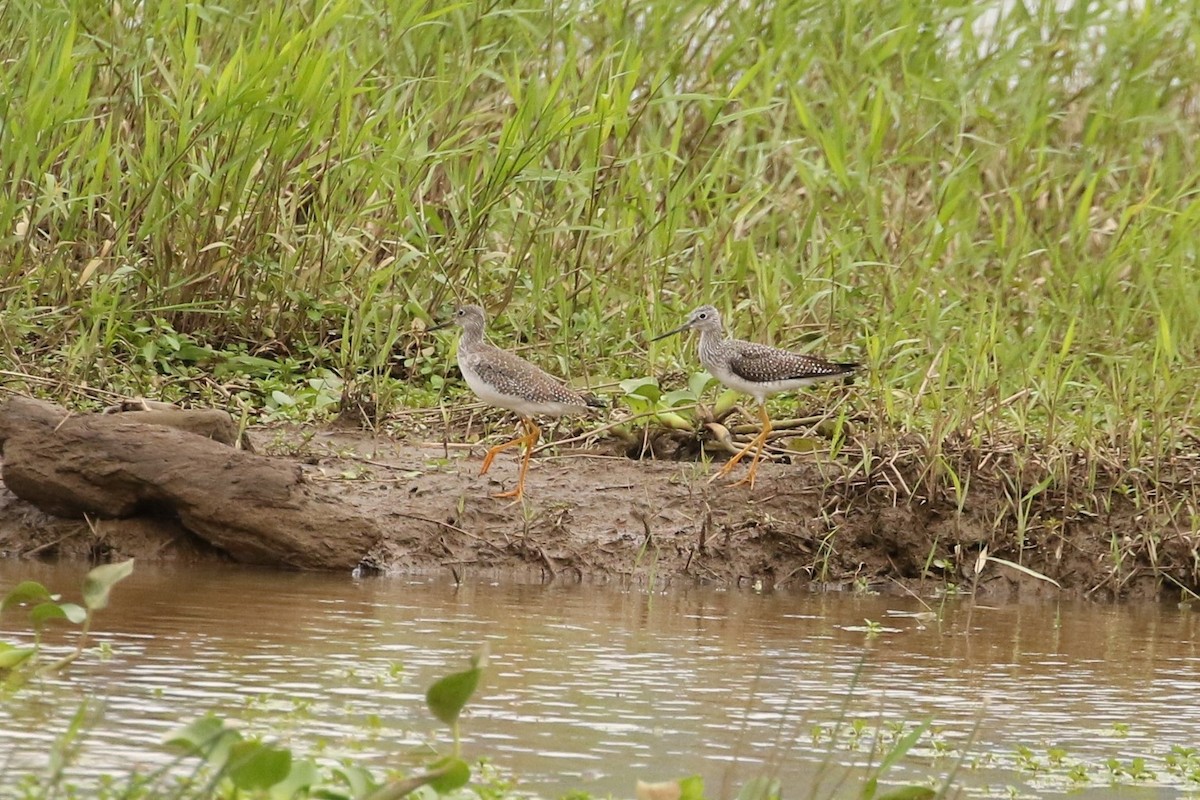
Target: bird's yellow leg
{"x":762,"y":443}
{"x":491,"y":453}
{"x":530,"y":439}
{"x":756,"y":444}
{"x":740,"y":454}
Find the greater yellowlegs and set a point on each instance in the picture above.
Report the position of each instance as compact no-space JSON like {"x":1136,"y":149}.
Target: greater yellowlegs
{"x":756,"y":369}
{"x":502,"y":379}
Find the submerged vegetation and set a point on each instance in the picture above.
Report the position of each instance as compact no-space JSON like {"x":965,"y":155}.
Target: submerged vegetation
{"x":992,"y":205}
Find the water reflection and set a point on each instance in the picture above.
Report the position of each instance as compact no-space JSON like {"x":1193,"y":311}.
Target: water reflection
{"x":592,"y":686}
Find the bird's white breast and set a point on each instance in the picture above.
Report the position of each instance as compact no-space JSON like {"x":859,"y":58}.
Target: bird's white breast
{"x":760,"y":390}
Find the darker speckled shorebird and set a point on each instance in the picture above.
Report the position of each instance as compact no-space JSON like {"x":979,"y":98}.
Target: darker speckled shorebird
{"x":756,"y":369}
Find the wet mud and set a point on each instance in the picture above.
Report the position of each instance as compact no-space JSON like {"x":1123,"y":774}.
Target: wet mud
{"x":596,"y":514}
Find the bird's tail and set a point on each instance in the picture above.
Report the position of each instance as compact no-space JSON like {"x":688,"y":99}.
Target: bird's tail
{"x":848,"y":370}
{"x":594,"y":401}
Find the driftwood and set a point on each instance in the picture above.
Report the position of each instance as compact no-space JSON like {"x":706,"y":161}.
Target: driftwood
{"x":177,"y":463}
{"x":208,"y":422}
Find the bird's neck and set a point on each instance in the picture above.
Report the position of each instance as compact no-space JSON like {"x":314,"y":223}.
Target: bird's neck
{"x":471,"y":337}
{"x":710,"y":339}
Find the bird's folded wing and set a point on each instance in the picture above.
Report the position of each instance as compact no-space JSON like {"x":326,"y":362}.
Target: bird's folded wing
{"x":514,"y":375}
{"x":760,"y":363}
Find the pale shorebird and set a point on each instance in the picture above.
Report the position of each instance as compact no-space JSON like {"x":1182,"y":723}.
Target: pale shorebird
{"x":502,"y":379}
{"x":755,"y":369}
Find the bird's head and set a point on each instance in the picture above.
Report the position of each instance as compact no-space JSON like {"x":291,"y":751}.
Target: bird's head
{"x":464,"y":316}
{"x":704,"y":318}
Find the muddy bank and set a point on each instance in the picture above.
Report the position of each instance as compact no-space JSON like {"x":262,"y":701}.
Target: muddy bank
{"x":596,"y":514}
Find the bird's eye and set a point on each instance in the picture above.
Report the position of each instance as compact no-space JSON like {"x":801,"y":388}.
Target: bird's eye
{"x":702,"y":315}
{"x":461,"y":313}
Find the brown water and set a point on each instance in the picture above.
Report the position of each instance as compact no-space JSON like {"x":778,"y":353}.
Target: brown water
{"x":592,"y":687}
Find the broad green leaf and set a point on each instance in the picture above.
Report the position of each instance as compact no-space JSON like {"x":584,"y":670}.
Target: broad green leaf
{"x":673,"y":420}
{"x":761,"y":788}
{"x":642,"y":387}
{"x":909,"y":793}
{"x":447,"y":697}
{"x":699,"y":382}
{"x":679,"y":397}
{"x":25,"y":592}
{"x":359,"y":779}
{"x":206,"y":737}
{"x":725,"y":402}
{"x":282,"y":399}
{"x":193,"y":352}
{"x":691,"y":788}
{"x":75,"y":612}
{"x":637,"y":404}
{"x":12,"y":656}
{"x":253,"y":765}
{"x":454,"y":774}
{"x":101,"y":580}
{"x":302,"y":776}
{"x":196,"y":734}
{"x":44,"y":612}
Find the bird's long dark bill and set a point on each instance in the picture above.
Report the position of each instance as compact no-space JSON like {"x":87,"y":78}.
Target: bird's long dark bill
{"x":443,"y":324}
{"x":680,"y":329}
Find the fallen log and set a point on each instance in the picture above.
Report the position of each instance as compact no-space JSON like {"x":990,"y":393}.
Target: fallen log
{"x":178,"y":463}
{"x":211,"y":422}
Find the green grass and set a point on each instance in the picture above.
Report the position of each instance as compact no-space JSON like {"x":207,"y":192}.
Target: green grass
{"x":994,"y":209}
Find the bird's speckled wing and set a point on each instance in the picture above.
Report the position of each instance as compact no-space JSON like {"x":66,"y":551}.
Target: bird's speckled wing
{"x":759,"y":363}
{"x":513,"y":375}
